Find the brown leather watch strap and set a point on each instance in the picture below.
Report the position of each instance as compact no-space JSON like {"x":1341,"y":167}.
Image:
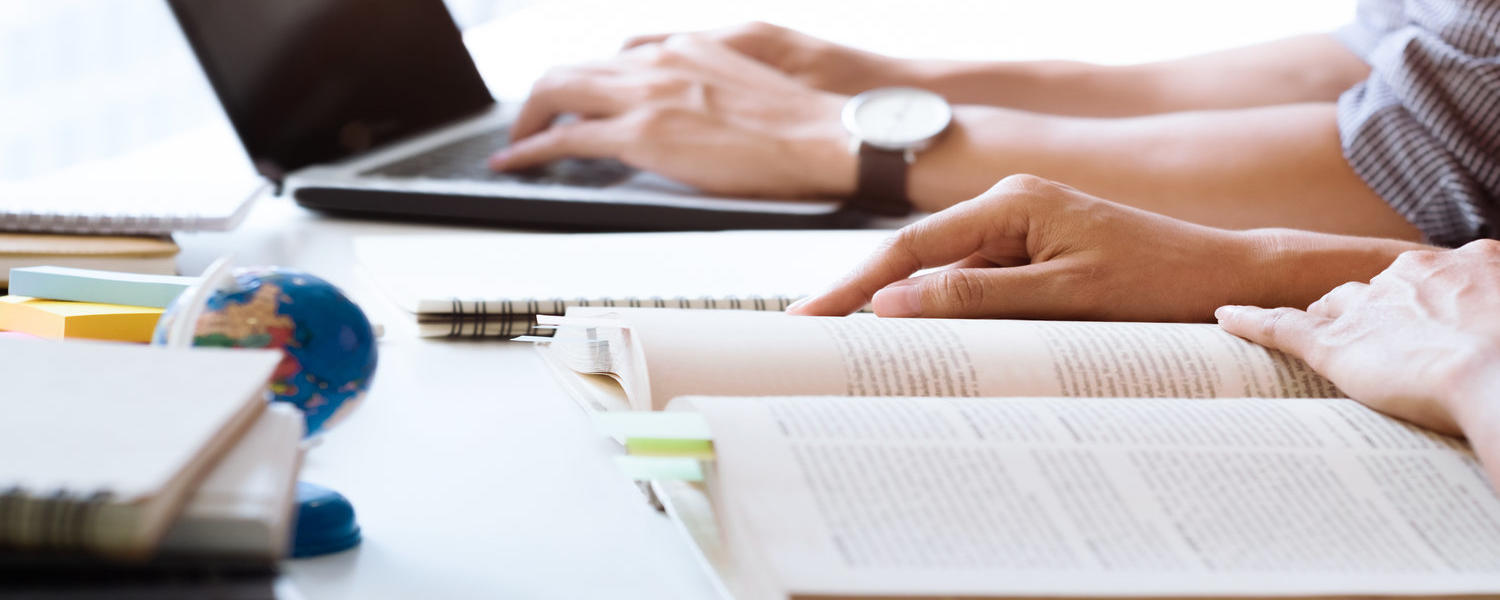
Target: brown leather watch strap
{"x":881,"y":188}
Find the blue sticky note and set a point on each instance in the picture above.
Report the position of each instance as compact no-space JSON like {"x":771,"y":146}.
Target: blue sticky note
{"x":105,"y":287}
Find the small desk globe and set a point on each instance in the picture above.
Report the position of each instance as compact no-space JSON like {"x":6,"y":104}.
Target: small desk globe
{"x":328,"y":347}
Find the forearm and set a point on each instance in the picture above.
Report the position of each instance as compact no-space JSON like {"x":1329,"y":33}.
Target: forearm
{"x":1264,"y":167}
{"x":1291,"y":267}
{"x":1310,"y":68}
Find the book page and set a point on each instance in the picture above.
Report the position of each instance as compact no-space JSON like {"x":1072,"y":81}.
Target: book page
{"x":1112,"y":497}
{"x":742,"y":353}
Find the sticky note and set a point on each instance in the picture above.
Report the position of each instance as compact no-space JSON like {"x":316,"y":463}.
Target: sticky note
{"x":647,"y":468}
{"x":701,"y":449}
{"x":57,"y":319}
{"x":107,"y":287}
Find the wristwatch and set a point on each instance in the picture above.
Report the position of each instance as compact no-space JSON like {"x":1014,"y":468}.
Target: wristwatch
{"x":887,"y":127}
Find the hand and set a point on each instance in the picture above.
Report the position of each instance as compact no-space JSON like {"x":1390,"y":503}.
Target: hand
{"x":1421,"y":341}
{"x":813,"y":62}
{"x":693,"y":110}
{"x":1031,"y":248}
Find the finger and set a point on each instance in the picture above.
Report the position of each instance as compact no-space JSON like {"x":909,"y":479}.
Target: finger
{"x":641,"y":40}
{"x":1335,"y":302}
{"x":1027,"y":292}
{"x":1286,"y":329}
{"x":750,"y":39}
{"x":938,"y":240}
{"x":991,"y":260}
{"x":604,"y":138}
{"x":973,"y":261}
{"x":589,"y":94}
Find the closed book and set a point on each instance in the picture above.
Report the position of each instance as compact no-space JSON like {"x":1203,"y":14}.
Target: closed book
{"x":243,"y":510}
{"x":105,"y":442}
{"x":148,"y":254}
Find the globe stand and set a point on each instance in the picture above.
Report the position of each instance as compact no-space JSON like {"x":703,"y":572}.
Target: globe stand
{"x":325,"y":522}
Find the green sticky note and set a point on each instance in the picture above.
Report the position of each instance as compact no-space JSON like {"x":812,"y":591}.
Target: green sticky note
{"x":669,"y":447}
{"x":647,"y":468}
{"x":672,"y":425}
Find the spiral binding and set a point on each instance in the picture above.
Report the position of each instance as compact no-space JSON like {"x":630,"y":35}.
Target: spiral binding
{"x":59,"y":521}
{"x":511,"y":318}
{"x":123,"y":224}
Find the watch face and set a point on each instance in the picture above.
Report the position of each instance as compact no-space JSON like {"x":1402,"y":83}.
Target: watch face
{"x":897,"y":118}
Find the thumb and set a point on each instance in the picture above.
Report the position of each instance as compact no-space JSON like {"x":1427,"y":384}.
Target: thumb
{"x":1028,"y":291}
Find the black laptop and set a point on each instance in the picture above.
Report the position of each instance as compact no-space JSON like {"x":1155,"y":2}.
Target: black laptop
{"x":374,"y":107}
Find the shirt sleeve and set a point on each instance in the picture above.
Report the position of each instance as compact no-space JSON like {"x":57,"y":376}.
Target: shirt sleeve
{"x":1423,"y":130}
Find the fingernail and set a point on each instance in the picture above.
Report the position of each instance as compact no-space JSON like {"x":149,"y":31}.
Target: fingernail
{"x":898,"y":301}
{"x":798,"y":304}
{"x":1226,"y":311}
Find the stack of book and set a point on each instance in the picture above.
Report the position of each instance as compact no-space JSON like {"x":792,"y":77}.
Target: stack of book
{"x":148,"y":254}
{"x":124,"y":458}
{"x":862,"y":457}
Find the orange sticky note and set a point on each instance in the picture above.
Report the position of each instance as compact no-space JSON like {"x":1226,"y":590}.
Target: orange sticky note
{"x":57,"y":319}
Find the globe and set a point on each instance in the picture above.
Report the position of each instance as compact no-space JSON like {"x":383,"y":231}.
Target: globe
{"x":328,"y":350}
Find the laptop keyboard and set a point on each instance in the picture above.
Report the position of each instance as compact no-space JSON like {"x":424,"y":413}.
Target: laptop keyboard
{"x":466,"y":159}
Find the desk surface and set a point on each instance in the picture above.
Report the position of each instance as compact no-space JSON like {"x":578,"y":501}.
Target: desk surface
{"x":472,"y":474}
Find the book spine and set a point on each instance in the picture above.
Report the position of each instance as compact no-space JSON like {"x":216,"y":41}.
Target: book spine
{"x":511,"y":318}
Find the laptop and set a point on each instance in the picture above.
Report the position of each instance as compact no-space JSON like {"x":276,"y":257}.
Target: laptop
{"x":375,"y":108}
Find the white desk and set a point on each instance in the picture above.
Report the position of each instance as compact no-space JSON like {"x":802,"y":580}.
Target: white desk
{"x":472,"y":474}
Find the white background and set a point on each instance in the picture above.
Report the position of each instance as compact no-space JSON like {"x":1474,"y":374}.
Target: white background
{"x":472,"y":474}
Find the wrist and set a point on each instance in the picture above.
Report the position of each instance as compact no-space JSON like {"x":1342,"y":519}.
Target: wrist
{"x":833,"y":167}
{"x":1470,"y":390}
{"x":1288,"y":267}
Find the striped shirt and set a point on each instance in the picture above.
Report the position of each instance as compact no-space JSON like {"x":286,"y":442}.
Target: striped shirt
{"x":1424,"y":129}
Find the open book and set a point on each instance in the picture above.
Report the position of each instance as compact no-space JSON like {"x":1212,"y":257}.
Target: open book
{"x":614,"y":359}
{"x":1084,"y":497}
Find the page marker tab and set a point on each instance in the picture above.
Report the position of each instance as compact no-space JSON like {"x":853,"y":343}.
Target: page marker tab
{"x":104,"y":287}
{"x":670,"y":425}
{"x":699,"y":449}
{"x":647,"y":468}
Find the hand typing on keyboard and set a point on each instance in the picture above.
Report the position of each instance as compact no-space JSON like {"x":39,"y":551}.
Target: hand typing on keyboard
{"x":465,"y":159}
{"x":693,"y":110}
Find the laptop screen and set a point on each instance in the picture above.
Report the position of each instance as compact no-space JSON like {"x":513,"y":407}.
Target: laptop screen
{"x":312,"y":81}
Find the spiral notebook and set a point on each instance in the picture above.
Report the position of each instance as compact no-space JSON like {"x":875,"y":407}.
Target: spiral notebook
{"x":493,"y":285}
{"x":100,"y":465}
{"x":125,"y":207}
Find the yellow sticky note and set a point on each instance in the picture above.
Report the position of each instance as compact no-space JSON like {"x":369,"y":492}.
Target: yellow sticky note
{"x":58,"y":319}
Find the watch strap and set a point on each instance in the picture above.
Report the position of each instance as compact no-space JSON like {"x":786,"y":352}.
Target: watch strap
{"x":881,"y":187}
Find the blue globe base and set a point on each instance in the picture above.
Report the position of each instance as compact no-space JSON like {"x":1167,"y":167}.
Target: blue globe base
{"x":325,"y":522}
